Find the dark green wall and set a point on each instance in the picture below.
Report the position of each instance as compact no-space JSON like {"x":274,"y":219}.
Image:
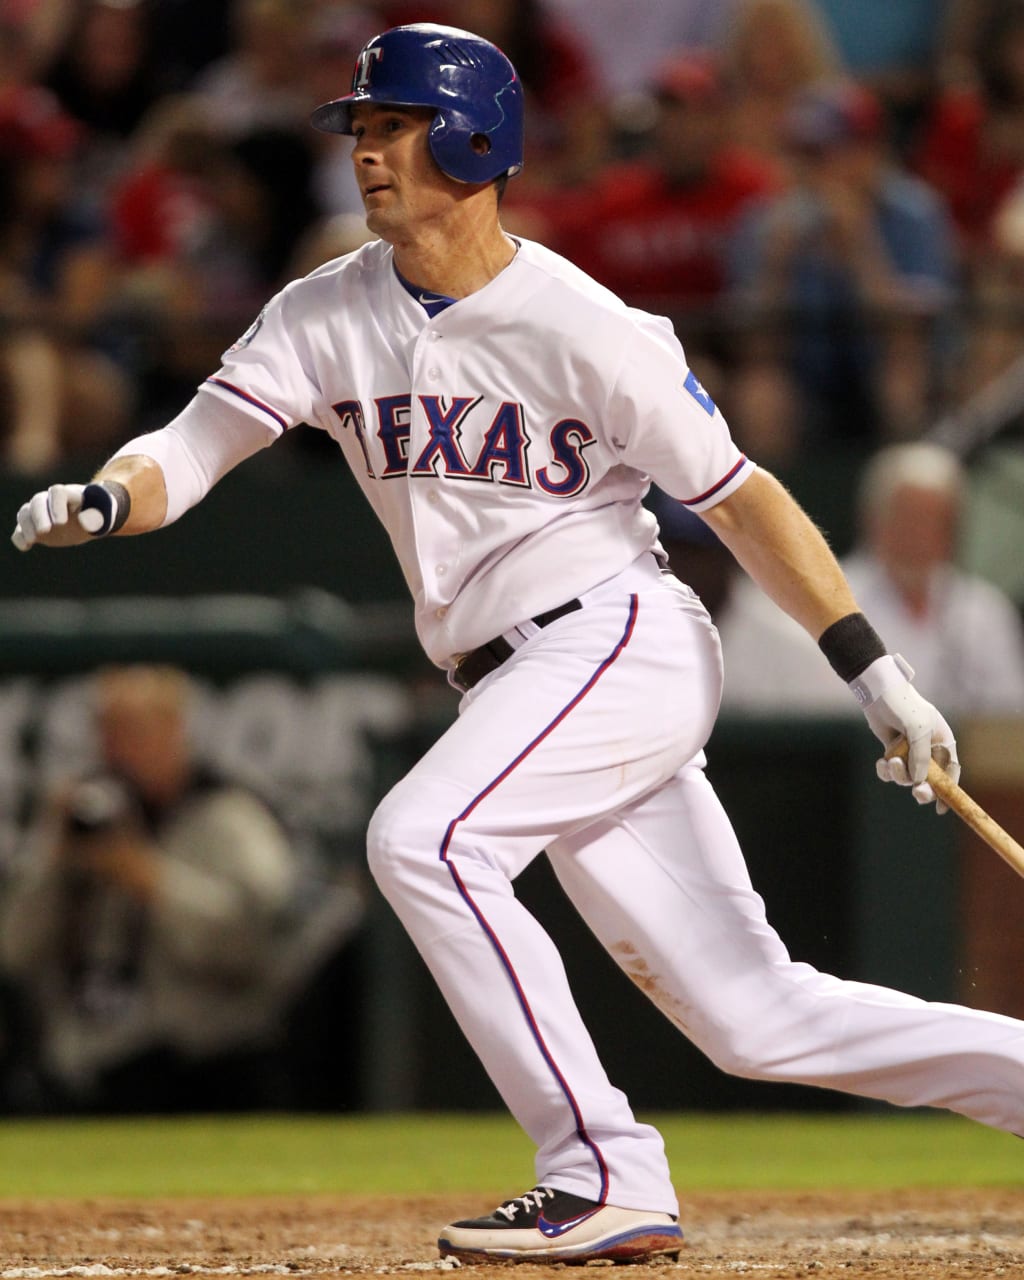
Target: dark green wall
{"x":290,"y":517}
{"x":278,"y":522}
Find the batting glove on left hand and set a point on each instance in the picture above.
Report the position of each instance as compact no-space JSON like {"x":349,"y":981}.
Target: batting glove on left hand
{"x":894,"y":709}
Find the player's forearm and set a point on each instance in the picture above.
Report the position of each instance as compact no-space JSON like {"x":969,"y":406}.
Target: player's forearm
{"x":191,"y":454}
{"x":775,"y":541}
{"x":778,"y":545}
{"x":143,"y":479}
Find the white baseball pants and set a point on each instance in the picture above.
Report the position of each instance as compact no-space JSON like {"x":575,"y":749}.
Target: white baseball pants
{"x":588,"y":742}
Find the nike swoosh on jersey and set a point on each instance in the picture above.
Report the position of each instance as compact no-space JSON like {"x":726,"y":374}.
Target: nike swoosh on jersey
{"x":555,"y":1229}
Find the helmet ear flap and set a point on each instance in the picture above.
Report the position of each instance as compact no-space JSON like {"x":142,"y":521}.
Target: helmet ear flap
{"x":462,"y":149}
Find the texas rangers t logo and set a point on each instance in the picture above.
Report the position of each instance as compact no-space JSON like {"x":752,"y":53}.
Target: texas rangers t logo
{"x":364,"y":65}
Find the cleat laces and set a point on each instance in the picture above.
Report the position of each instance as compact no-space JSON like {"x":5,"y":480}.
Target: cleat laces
{"x":525,"y":1203}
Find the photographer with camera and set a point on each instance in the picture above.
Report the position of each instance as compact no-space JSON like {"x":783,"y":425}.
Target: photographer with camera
{"x":144,"y":924}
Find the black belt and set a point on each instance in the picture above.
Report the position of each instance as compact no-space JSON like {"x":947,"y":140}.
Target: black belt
{"x":473,"y":666}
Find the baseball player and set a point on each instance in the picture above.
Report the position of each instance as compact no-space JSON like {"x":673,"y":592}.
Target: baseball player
{"x":503,"y":413}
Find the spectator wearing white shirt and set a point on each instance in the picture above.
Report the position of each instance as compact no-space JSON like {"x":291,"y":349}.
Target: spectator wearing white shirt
{"x":962,"y":635}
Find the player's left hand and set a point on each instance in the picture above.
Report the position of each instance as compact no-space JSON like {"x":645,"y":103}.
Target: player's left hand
{"x":894,"y":709}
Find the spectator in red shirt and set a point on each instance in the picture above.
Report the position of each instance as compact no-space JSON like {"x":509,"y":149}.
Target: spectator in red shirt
{"x":972,"y":145}
{"x":161,"y":200}
{"x":655,"y":228}
{"x":204,"y":227}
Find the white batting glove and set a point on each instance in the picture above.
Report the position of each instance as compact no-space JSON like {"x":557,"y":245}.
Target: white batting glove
{"x":894,"y":709}
{"x":65,"y":515}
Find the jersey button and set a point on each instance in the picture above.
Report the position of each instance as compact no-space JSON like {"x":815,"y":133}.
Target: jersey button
{"x":442,"y":612}
{"x":433,"y":374}
{"x":433,"y":497}
{"x":441,"y":570}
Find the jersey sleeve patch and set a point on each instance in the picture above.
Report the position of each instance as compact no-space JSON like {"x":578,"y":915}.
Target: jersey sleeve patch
{"x":248,"y":336}
{"x":699,"y":394}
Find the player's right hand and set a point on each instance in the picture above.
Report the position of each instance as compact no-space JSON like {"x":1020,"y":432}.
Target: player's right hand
{"x":894,"y":709}
{"x":54,"y":518}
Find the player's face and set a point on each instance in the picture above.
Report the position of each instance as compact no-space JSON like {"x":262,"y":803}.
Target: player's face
{"x":403,"y":190}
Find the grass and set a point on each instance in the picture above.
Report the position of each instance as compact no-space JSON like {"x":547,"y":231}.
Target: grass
{"x":483,"y":1155}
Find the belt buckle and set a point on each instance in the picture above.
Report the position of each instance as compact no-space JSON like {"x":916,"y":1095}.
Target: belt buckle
{"x":457,"y":660}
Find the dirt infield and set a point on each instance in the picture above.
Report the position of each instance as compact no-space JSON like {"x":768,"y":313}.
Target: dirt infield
{"x":903,"y":1234}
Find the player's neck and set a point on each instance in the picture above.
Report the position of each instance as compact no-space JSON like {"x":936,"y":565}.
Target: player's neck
{"x":455,"y":261}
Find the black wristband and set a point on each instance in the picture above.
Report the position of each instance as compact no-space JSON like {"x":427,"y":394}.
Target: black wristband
{"x":851,"y":645}
{"x":111,"y":500}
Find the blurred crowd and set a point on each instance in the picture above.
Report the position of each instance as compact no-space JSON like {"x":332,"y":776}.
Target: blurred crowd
{"x":825,"y":197}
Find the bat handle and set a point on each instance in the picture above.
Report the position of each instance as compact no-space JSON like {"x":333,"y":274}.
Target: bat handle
{"x":953,"y":795}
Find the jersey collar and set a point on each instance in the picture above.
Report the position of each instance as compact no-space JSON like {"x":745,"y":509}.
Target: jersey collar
{"x":432,"y":303}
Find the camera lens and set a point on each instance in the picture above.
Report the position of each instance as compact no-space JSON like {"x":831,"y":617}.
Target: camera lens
{"x":96,"y":805}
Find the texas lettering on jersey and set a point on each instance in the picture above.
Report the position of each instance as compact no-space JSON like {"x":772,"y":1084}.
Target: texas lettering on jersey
{"x":502,"y":458}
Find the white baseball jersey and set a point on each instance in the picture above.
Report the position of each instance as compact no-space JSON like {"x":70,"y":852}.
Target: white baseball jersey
{"x":506,"y":458}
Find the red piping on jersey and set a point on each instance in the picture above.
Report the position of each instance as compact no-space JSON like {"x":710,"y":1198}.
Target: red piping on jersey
{"x":244,"y":395}
{"x":492,"y":937}
{"x":710,"y":493}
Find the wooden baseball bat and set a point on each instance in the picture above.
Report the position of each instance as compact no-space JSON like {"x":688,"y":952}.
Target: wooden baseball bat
{"x":969,"y":810}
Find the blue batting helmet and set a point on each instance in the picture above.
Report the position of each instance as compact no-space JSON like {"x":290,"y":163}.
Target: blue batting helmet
{"x":469,"y":82}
